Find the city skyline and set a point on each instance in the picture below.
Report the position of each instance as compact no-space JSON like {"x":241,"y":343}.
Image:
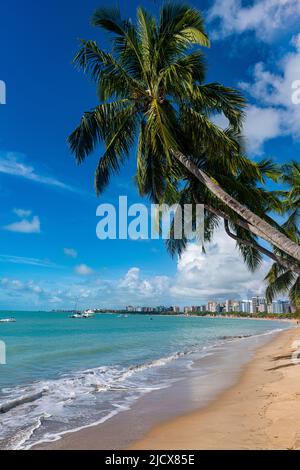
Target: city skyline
{"x":256,"y":305}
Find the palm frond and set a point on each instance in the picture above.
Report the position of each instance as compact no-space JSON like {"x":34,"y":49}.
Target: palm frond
{"x":118,"y":142}
{"x":182,"y":25}
{"x":214,"y":97}
{"x":146,"y":30}
{"x":250,"y":252}
{"x":126,"y":44}
{"x":95,"y":126}
{"x":150,"y":177}
{"x":279,"y":282}
{"x":111,"y":76}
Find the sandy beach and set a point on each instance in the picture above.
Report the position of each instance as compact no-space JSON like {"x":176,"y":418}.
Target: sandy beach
{"x":260,"y":411}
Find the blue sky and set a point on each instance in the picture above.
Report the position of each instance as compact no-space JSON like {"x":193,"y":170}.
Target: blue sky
{"x":49,"y":252}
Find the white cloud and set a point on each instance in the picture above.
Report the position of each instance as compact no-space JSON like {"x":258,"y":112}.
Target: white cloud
{"x":143,"y":288}
{"x":218,"y":274}
{"x":276,"y":109}
{"x":261,"y":125}
{"x":25,"y":226}
{"x":28,"y":261}
{"x":22,"y":213}
{"x":17,"y":285}
{"x":12,"y":164}
{"x":265,"y":17}
{"x":55,"y":300}
{"x":70,"y":252}
{"x":276,"y":114}
{"x":83,"y":270}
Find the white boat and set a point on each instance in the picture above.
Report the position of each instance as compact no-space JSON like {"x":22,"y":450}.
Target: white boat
{"x":88,"y":314}
{"x":8,"y":320}
{"x":85,"y":314}
{"x":76,"y":315}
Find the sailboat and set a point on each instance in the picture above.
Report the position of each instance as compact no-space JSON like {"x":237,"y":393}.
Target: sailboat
{"x":76,"y":313}
{"x":85,"y":314}
{"x":8,"y":320}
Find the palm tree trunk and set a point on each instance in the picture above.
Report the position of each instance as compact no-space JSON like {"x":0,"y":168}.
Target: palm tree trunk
{"x":286,"y":263}
{"x":267,"y":231}
{"x":283,"y":262}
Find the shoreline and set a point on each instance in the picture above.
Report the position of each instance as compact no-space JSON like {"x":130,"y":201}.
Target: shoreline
{"x":167,"y":418}
{"x":260,"y":412}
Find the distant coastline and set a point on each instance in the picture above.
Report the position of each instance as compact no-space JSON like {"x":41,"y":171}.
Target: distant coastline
{"x":240,"y":315}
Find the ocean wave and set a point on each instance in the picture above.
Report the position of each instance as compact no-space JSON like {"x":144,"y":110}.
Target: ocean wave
{"x":46,"y":410}
{"x":254,"y":335}
{"x":22,"y":436}
{"x":27,"y":408}
{"x":9,"y":405}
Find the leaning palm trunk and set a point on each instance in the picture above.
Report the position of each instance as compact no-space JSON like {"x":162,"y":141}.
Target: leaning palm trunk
{"x":284,"y":262}
{"x":266,"y":230}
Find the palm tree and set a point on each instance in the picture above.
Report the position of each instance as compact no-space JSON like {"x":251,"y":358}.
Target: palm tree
{"x":151,"y":86}
{"x":246,"y":189}
{"x":291,"y":177}
{"x":282,"y":279}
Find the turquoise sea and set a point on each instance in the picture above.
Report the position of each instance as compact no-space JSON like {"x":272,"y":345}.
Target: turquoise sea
{"x":73,"y":373}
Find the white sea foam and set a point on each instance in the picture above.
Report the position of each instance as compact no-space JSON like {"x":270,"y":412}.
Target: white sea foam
{"x":87,"y":397}
{"x":66,"y":396}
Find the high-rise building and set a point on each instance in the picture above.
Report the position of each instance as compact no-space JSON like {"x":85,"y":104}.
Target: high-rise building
{"x":232,"y":306}
{"x":246,"y":306}
{"x":281,"y":307}
{"x":237,"y":306}
{"x":254,"y":305}
{"x":259,"y":305}
{"x":212,"y":306}
{"x":269,"y":308}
